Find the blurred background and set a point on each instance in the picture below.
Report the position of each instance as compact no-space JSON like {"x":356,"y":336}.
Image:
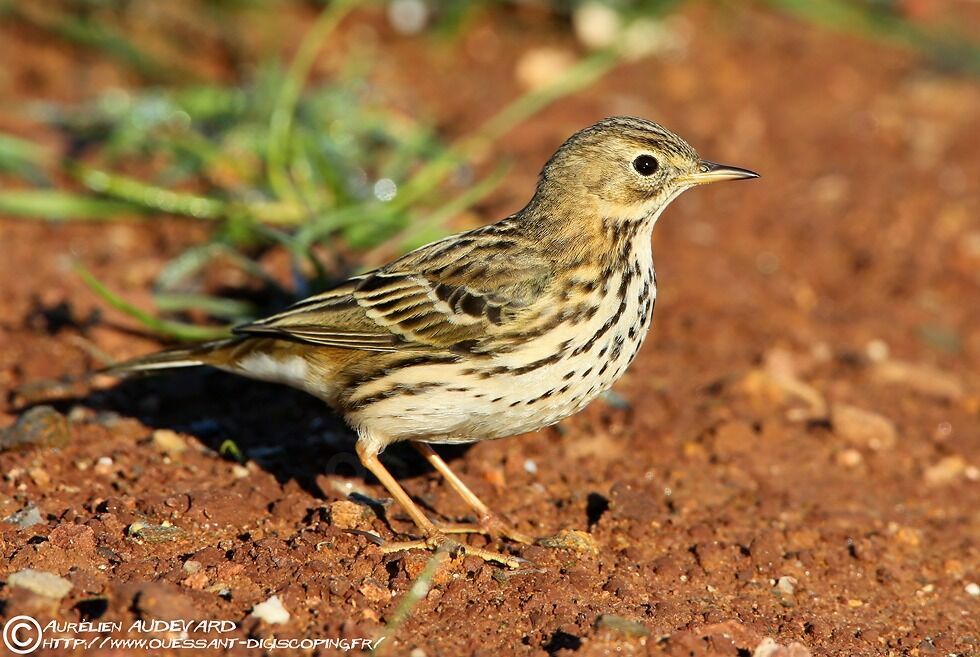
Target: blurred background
{"x":795,"y":454}
{"x":323,"y":137}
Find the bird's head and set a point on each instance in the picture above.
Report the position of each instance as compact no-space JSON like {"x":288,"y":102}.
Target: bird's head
{"x":624,"y":168}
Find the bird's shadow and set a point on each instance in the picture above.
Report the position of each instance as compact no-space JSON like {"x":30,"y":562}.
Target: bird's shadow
{"x":288,"y":433}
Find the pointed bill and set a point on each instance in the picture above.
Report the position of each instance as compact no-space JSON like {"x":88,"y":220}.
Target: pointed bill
{"x":710,"y":172}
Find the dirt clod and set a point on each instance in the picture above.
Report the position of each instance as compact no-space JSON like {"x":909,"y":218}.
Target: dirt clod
{"x":345,"y":514}
{"x":163,"y":601}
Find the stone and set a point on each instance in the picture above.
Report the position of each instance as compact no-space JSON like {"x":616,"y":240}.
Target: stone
{"x":271,"y":611}
{"x":168,"y":442}
{"x":863,"y":428}
{"x":40,"y":582}
{"x":42,"y":426}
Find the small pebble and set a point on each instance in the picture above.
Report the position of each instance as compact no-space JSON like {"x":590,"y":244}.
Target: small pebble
{"x":863,"y":428}
{"x":908,"y":536}
{"x":167,"y":441}
{"x":784,"y":589}
{"x":877,"y":350}
{"x":40,"y":477}
{"x":920,"y":378}
{"x":79,"y":413}
{"x":849,"y":458}
{"x":973,"y":589}
{"x":162,"y":533}
{"x":271,"y":611}
{"x":946,"y":471}
{"x":26,"y":517}
{"x":40,"y":582}
{"x":769,"y":648}
{"x":622,"y":625}
{"x":530,"y":466}
{"x":786,"y":585}
{"x":572,"y":539}
{"x":103,"y":466}
{"x":40,"y":425}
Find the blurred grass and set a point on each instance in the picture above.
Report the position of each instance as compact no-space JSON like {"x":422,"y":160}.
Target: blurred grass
{"x":163,"y":327}
{"x":275,"y":159}
{"x":83,"y":23}
{"x":883,"y":19}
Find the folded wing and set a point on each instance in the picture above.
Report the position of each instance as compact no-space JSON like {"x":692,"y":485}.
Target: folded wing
{"x":447,"y":296}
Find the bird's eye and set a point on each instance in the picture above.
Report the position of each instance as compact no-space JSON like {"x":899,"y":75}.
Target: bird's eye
{"x":645,"y":165}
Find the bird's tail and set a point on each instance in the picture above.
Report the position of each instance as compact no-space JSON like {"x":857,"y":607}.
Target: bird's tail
{"x":206,"y":353}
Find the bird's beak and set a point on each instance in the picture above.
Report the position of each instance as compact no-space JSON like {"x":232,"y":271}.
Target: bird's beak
{"x":710,"y":172}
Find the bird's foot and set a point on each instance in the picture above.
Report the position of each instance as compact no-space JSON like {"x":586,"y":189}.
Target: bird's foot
{"x":441,"y":543}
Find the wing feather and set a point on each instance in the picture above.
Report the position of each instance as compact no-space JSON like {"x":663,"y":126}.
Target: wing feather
{"x":457,"y":291}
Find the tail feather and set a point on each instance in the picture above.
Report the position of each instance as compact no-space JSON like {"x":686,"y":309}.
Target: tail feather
{"x":202,"y":354}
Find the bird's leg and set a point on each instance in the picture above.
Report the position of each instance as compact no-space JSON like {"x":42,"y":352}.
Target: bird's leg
{"x":489,"y":522}
{"x":434,"y":538}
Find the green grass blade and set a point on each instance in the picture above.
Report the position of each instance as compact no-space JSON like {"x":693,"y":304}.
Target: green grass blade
{"x":100,"y":36}
{"x":230,"y":309}
{"x":584,"y":73}
{"x":22,"y":157}
{"x":149,"y":196}
{"x":281,"y":122}
{"x":56,"y":205}
{"x":421,"y":232}
{"x":176,"y":330}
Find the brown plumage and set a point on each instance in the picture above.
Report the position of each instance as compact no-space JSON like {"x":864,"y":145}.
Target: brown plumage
{"x":492,"y":332}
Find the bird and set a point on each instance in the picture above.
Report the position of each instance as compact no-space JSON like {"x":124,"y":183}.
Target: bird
{"x":488,"y":333}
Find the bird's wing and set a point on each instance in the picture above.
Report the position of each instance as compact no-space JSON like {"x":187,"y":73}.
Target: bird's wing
{"x":447,"y":296}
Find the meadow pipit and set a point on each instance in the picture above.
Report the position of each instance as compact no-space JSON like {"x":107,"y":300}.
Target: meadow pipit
{"x":492,"y":332}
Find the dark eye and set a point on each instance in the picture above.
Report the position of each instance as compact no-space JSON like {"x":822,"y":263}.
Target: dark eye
{"x":645,"y":165}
